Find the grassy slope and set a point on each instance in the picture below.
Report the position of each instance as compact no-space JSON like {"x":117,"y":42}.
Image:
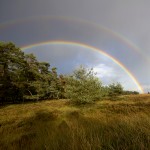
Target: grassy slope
{"x":114,"y":125}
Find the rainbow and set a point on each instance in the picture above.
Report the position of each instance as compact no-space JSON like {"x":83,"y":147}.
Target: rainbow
{"x":98,"y":27}
{"x":92,"y":48}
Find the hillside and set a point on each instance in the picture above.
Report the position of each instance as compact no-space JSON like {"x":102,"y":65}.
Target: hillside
{"x":57,"y":124}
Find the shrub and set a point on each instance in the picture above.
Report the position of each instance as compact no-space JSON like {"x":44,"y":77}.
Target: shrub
{"x":115,"y":89}
{"x":83,"y":86}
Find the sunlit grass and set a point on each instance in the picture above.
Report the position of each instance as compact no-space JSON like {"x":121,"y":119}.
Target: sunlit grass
{"x":121,"y":124}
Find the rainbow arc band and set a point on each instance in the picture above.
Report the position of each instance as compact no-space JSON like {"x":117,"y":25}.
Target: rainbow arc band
{"x":92,"y":48}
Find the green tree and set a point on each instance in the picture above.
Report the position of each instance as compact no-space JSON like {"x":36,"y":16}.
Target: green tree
{"x":11,"y":64}
{"x":23,"y":77}
{"x":37,"y":78}
{"x":55,"y":85}
{"x":115,"y":89}
{"x":83,"y":86}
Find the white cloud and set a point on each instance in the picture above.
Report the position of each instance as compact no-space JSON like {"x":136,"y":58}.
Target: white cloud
{"x":104,"y":71}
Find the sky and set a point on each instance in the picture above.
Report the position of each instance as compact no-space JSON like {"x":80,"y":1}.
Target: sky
{"x":119,"y":29}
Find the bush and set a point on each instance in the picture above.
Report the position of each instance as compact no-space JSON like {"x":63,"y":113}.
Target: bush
{"x":83,"y":86}
{"x":115,"y":90}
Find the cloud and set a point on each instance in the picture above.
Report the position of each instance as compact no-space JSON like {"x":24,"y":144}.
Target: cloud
{"x":104,"y":71}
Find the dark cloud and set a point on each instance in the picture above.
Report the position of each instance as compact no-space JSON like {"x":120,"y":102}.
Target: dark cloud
{"x":130,"y":19}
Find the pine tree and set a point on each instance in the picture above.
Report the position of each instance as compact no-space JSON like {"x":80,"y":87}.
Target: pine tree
{"x":12,"y":64}
{"x":83,"y":86}
{"x":115,"y":89}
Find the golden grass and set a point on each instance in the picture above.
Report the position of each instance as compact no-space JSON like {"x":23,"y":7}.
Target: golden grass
{"x":122,"y":124}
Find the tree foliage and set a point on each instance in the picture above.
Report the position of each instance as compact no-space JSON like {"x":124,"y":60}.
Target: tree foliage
{"x":83,"y":86}
{"x":115,"y":89}
{"x":24,"y":78}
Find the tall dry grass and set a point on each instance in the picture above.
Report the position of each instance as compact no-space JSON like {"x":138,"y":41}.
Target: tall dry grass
{"x":122,"y":124}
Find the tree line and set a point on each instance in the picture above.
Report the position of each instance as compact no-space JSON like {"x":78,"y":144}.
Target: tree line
{"x":24,"y":78}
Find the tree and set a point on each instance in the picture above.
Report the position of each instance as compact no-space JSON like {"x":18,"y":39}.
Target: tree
{"x":23,"y":77}
{"x":83,"y":86}
{"x":55,"y":85}
{"x":11,"y":64}
{"x":115,"y":89}
{"x":38,"y":79}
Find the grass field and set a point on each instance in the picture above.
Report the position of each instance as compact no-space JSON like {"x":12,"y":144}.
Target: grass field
{"x":122,"y":124}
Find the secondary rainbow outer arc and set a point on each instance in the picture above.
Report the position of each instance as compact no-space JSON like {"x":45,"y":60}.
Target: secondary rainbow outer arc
{"x":92,"y":48}
{"x":122,"y":38}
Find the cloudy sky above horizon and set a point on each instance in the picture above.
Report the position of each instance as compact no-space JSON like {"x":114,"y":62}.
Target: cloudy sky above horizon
{"x":119,"y":28}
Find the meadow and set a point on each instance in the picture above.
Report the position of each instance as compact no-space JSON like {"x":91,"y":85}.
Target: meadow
{"x":119,"y":124}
